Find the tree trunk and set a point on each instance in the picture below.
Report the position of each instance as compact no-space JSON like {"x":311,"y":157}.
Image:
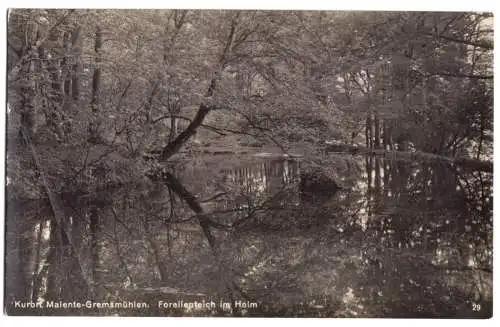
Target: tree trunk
{"x":377,"y":131}
{"x":54,"y":260}
{"x":66,"y":70}
{"x":190,"y":199}
{"x":173,"y":128}
{"x":38,"y":260}
{"x":174,"y":146}
{"x":54,"y":68}
{"x":369,"y":189}
{"x":28,"y":89}
{"x":94,"y":243}
{"x":368,"y":131}
{"x":96,"y":88}
{"x":76,"y":68}
{"x":156,"y":252}
{"x":96,"y":78}
{"x":387,"y":172}
{"x":377,"y":185}
{"x":481,"y":138}
{"x":387,"y":137}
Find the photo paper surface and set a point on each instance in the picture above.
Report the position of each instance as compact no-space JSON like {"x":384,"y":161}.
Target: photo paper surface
{"x":249,"y":163}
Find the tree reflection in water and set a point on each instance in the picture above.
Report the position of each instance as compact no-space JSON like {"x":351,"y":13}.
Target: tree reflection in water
{"x":400,"y":240}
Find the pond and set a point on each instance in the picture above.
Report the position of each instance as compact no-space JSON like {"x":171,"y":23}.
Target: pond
{"x":393,"y":239}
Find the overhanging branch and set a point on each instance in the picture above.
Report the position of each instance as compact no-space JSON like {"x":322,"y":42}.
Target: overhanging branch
{"x":484,"y":44}
{"x":174,"y":146}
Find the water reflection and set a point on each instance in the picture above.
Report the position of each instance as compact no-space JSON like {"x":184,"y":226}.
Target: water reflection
{"x":408,"y":221}
{"x":400,"y":240}
{"x":264,"y":177}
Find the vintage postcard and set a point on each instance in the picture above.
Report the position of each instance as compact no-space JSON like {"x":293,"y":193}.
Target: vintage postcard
{"x":250,"y":163}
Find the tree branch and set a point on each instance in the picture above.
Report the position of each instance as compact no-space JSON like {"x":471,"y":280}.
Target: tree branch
{"x":190,"y":199}
{"x":212,"y":128}
{"x":484,"y":44}
{"x":174,"y":146}
{"x":230,"y":39}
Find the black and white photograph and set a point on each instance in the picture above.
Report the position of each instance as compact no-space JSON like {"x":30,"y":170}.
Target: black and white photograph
{"x":248,"y":163}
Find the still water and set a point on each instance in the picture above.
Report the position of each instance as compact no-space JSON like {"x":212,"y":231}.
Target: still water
{"x":398,"y":239}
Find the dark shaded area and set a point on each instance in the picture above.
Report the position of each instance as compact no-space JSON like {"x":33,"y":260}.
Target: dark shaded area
{"x":315,"y":185}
